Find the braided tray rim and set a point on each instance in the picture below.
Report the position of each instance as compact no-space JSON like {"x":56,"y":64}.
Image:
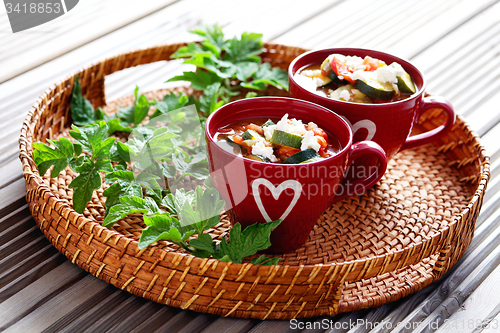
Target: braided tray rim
{"x":170,"y":277}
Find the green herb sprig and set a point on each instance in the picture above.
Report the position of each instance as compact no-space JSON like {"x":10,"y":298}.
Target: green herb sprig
{"x":225,"y":66}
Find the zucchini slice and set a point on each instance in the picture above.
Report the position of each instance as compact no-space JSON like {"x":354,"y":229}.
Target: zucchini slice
{"x":333,"y":76}
{"x":252,"y":135}
{"x":327,"y":69}
{"x":269,"y":122}
{"x":229,"y":138}
{"x":286,"y":139}
{"x":373,"y":88}
{"x":322,"y":81}
{"x":314,"y":159}
{"x":248,"y":143}
{"x":258,"y":158}
{"x":405,"y":84}
{"x":301,"y":157}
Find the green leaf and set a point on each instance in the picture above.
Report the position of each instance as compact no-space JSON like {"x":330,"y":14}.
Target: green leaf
{"x":207,"y":60}
{"x":87,"y":181}
{"x":265,"y":261}
{"x":60,"y":156}
{"x":163,"y":227}
{"x":203,"y":246}
{"x":245,"y":48}
{"x":214,"y":38}
{"x":117,"y":125}
{"x":251,"y":94}
{"x":136,"y":113}
{"x":123,"y":185}
{"x":170,"y":103}
{"x":175,"y":202}
{"x":149,"y":181}
{"x":94,"y":139}
{"x":128,"y":205}
{"x":245,"y":243}
{"x":266,"y":75}
{"x":200,"y":79}
{"x":195,"y":166}
{"x":245,"y":70}
{"x":209,"y":101}
{"x":206,"y":215}
{"x":188,"y":51}
{"x":82,"y":111}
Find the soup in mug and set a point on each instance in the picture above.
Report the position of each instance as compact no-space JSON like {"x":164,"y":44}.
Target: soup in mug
{"x":286,"y":141}
{"x":358,"y":80}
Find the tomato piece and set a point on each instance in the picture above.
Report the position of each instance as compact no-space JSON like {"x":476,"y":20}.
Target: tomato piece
{"x":341,"y":69}
{"x":237,"y":139}
{"x":321,"y":141}
{"x":319,"y":132}
{"x":285,"y":152}
{"x":372,"y":64}
{"x":322,"y":152}
{"x":255,"y":128}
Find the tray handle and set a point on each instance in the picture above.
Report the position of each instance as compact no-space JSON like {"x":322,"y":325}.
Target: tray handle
{"x":92,"y":78}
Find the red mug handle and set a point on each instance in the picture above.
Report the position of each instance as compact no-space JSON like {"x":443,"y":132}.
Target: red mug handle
{"x":358,"y":186}
{"x":423,"y":138}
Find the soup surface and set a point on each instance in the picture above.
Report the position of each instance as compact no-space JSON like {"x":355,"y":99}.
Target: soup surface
{"x":271,"y":140}
{"x":357,"y":80}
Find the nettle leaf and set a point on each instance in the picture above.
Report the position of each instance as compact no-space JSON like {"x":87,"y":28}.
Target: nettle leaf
{"x":175,"y":202}
{"x":115,"y":155}
{"x":207,"y":60}
{"x":123,"y":185}
{"x":245,"y":70}
{"x":82,"y":111}
{"x":251,"y":94}
{"x":245,"y":243}
{"x":214,"y":37}
{"x":195,"y":165}
{"x":94,"y":139}
{"x":246,"y":48}
{"x":206,"y":215}
{"x":117,"y":125}
{"x":87,"y":181}
{"x":60,"y":156}
{"x":210,"y":100}
{"x":188,"y":51}
{"x":266,"y":75}
{"x":265,"y":261}
{"x":128,"y":205}
{"x":199,"y":80}
{"x":170,"y":103}
{"x":203,"y":246}
{"x":163,"y":227}
{"x":136,"y":113}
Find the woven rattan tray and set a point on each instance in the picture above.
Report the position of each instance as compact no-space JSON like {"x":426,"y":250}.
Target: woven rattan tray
{"x":365,"y":251}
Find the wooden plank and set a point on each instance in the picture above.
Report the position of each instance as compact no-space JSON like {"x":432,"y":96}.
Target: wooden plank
{"x":62,"y":303}
{"x":230,"y":325}
{"x":187,"y":322}
{"x":106,"y":17}
{"x":12,"y":192}
{"x":474,"y":312}
{"x":27,"y":298}
{"x":156,"y":320}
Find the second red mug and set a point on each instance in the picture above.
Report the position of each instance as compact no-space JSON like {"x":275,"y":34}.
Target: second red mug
{"x":388,"y":124}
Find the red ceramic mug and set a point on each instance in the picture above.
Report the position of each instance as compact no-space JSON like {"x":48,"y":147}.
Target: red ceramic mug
{"x":297,"y":194}
{"x":388,"y":124}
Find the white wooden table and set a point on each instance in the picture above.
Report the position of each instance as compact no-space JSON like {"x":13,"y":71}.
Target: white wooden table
{"x":455,"y":43}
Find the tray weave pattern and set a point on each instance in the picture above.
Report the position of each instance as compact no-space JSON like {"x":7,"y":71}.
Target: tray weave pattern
{"x":365,"y":251}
